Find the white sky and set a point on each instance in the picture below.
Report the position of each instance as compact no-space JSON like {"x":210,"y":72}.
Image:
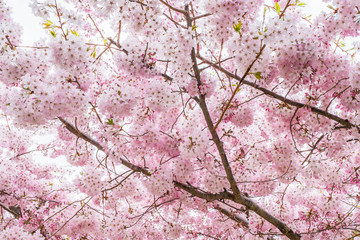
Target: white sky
{"x":32,"y":26}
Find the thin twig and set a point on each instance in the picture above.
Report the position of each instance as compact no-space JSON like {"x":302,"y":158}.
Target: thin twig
{"x":287,"y":5}
{"x":238,"y":87}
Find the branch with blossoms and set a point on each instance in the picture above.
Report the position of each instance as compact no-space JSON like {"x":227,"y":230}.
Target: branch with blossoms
{"x":202,"y":194}
{"x":238,"y":196}
{"x":344,"y":122}
{"x":238,"y":87}
{"x":74,"y":130}
{"x":241,"y":199}
{"x":232,"y":216}
{"x":215,"y":137}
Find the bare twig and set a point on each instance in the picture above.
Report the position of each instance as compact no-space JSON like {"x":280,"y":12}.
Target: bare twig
{"x":313,"y":148}
{"x":287,"y":5}
{"x":60,"y":22}
{"x":326,"y":109}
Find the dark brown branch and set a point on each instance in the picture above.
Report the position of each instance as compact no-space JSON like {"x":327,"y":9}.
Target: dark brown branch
{"x":173,"y":8}
{"x":268,"y":217}
{"x":201,"y":16}
{"x":167,"y":77}
{"x":248,"y":203}
{"x":342,"y":121}
{"x":119,"y":46}
{"x":93,"y":142}
{"x":212,"y":130}
{"x":287,"y":5}
{"x":186,"y":14}
{"x":204,"y":195}
{"x":233,"y":216}
{"x":238,"y":196}
{"x":15,"y":211}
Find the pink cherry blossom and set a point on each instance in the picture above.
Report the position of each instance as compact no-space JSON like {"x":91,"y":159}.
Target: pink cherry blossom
{"x":181,"y":120}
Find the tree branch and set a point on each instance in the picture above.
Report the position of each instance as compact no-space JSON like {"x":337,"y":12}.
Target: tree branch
{"x":173,"y":8}
{"x":215,"y":137}
{"x":194,"y":191}
{"x":238,"y":87}
{"x":15,"y":211}
{"x":233,"y":216}
{"x":342,"y":121}
{"x":243,"y":201}
{"x":287,"y":5}
{"x":204,"y":195}
{"x":93,"y":142}
{"x":268,"y":217}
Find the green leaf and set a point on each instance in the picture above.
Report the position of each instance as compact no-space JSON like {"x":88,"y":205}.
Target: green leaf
{"x":110,"y":121}
{"x":193,"y":27}
{"x":48,"y":24}
{"x":237,"y":27}
{"x":301,"y":4}
{"x":331,"y":7}
{"x":277,"y":7}
{"x":53,"y":33}
{"x":93,"y":53}
{"x":257,"y":75}
{"x":74,"y":32}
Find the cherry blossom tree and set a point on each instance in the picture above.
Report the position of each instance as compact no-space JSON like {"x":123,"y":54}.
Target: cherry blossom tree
{"x":224,"y":119}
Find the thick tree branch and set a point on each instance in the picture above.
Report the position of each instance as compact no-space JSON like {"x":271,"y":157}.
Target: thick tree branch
{"x":233,"y":216}
{"x":247,"y":202}
{"x":212,"y":130}
{"x":270,"y":218}
{"x":204,"y":195}
{"x":342,"y":121}
{"x":194,"y":191}
{"x":14,"y":210}
{"x":93,"y":142}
